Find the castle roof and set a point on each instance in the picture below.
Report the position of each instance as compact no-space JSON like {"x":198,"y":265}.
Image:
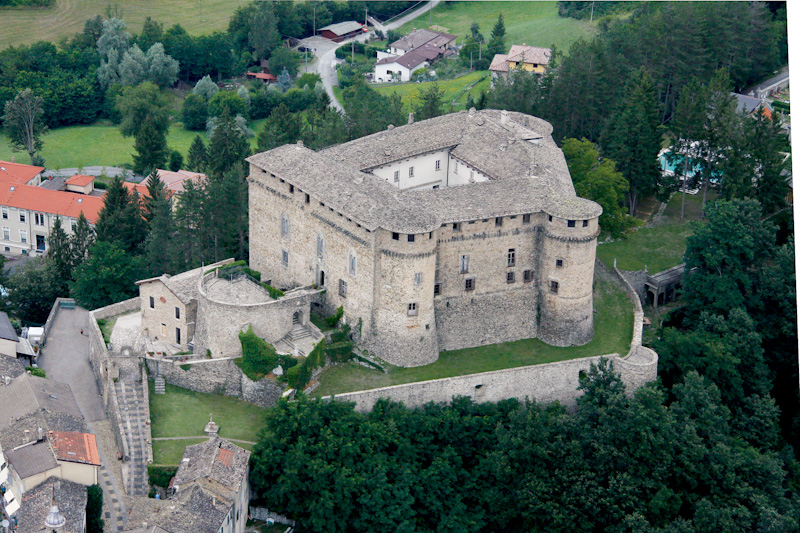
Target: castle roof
{"x":527,"y":172}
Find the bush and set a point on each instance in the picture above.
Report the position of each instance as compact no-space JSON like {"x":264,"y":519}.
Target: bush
{"x":186,"y":367}
{"x":258,"y":357}
{"x":334,"y":318}
{"x":316,"y":358}
{"x":194,"y":113}
{"x":341,"y":334}
{"x":273,"y":292}
{"x":36,"y":371}
{"x":160,"y":475}
{"x":94,"y":509}
{"x":229,"y":100}
{"x":340,"y":352}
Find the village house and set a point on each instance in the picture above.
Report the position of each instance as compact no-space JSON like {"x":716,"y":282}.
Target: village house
{"x":265,"y":75}
{"x":528,"y":58}
{"x":51,"y":503}
{"x":414,"y":51}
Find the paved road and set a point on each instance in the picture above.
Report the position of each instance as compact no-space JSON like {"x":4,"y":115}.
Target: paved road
{"x":65,"y":359}
{"x":111,"y":172}
{"x":324,"y":62}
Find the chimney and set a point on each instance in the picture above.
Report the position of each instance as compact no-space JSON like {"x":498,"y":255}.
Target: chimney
{"x":411,"y":118}
{"x":503,"y":117}
{"x":299,"y":142}
{"x":41,"y":435}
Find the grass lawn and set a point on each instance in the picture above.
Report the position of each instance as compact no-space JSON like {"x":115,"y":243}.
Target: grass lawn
{"x":100,"y":145}
{"x":532,"y":23}
{"x":184,"y":413}
{"x":409,"y":92}
{"x":18,"y":26}
{"x":169,"y":452}
{"x":612,"y":334}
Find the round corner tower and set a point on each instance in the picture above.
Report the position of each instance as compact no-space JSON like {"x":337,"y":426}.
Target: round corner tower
{"x":566,"y":279}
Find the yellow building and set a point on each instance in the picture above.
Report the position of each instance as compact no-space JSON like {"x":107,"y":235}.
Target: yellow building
{"x":523,"y":57}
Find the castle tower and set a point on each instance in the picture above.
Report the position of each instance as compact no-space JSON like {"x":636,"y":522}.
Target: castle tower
{"x":566,"y":279}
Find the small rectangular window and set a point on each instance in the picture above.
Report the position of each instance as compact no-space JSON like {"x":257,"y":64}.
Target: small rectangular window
{"x":5,"y":213}
{"x":395,"y":236}
{"x":526,"y":219}
{"x":178,"y":312}
{"x":291,"y":189}
{"x":456,"y":226}
{"x":469,"y":284}
{"x":6,"y":234}
{"x":352,"y":265}
{"x":320,"y":246}
{"x":438,"y":165}
{"x":498,"y":221}
{"x":510,"y":277}
{"x":308,"y":199}
{"x":410,"y":237}
{"x":512,"y":257}
{"x":74,"y":225}
{"x":285,"y":258}
{"x":464,"y":264}
{"x":559,"y":263}
{"x":455,"y":167}
{"x":549,"y":218}
{"x":342,"y":288}
{"x":152,"y":303}
{"x":177,"y":335}
{"x":22,"y":216}
{"x":410,"y":172}
{"x":396,"y":176}
{"x":412,"y":309}
{"x":585,"y":223}
{"x":570,"y":223}
{"x":418,"y":278}
{"x":554,"y":287}
{"x":527,"y":276}
{"x":23,"y":235}
{"x":437,"y":289}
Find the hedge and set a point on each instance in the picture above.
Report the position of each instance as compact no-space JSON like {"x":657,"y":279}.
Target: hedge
{"x":160,"y":475}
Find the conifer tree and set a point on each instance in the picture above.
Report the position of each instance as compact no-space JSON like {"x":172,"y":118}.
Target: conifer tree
{"x":228,"y":146}
{"x":156,"y":193}
{"x":196,"y":158}
{"x":120,"y":220}
{"x":151,"y":148}
{"x":283,"y":127}
{"x":497,"y":43}
{"x":81,"y":240}
{"x":190,"y":228}
{"x":60,"y":256}
{"x":158,"y":247}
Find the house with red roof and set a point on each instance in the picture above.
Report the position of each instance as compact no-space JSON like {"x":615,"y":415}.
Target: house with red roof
{"x":29,"y":210}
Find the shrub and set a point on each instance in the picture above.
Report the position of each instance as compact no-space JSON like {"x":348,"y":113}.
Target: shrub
{"x":340,"y":351}
{"x":292,"y":375}
{"x":273,"y":292}
{"x":334,"y":318}
{"x":94,"y":509}
{"x":258,"y":357}
{"x":186,"y":367}
{"x":160,"y":475}
{"x":194,"y":113}
{"x":36,"y":371}
{"x":317,"y":356}
{"x":341,"y":334}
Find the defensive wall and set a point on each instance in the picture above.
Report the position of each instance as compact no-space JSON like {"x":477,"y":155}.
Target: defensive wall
{"x":545,"y":383}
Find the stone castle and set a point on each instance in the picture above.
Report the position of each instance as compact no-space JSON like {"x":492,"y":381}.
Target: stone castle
{"x":448,"y":233}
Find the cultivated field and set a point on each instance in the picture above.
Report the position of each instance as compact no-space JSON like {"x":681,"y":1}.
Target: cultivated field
{"x":68,"y":17}
{"x":532,"y":23}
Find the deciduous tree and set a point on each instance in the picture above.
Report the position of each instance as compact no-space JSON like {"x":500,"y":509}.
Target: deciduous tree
{"x":22,"y":119}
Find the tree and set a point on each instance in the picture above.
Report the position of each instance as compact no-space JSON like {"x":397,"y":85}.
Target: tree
{"x":600,"y":182}
{"x":107,"y":276}
{"x":686,"y":132}
{"x":197,"y":157}
{"x":81,"y":240}
{"x":60,"y":256}
{"x":284,"y":80}
{"x":140,"y":105}
{"x":768,"y":141}
{"x":228,"y":146}
{"x":322,"y":128}
{"x":430,"y":102}
{"x":633,"y":138}
{"x":194,"y":113}
{"x":161,"y":68}
{"x":159,"y":241}
{"x":156,"y":194}
{"x":205,"y":88}
{"x":94,"y":501}
{"x":497,"y":43}
{"x":284,"y":58}
{"x":32,"y":288}
{"x":120,"y":219}
{"x":113,"y":37}
{"x":282,"y":127}
{"x":22,"y":120}
{"x":229,"y":101}
{"x":263,"y":35}
{"x":133,"y":66}
{"x":151,"y":148}
{"x":152,"y":33}
{"x":175,"y":161}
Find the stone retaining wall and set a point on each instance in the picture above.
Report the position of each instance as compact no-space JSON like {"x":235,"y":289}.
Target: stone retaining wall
{"x":263,"y":514}
{"x":52,"y":316}
{"x":118,"y":308}
{"x":545,"y":383}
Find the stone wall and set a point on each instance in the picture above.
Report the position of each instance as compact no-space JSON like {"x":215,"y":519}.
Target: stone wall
{"x":636,"y":278}
{"x":264,"y":514}
{"x":216,"y":376}
{"x":118,"y":308}
{"x":53,"y":312}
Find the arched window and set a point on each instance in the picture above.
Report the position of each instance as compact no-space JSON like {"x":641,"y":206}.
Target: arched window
{"x":284,"y":226}
{"x":320,"y":245}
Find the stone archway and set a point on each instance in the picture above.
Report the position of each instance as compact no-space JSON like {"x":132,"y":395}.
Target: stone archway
{"x":297,"y":317}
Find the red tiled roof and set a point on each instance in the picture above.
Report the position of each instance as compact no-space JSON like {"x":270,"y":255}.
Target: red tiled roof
{"x":62,"y":203}
{"x":225,"y":457}
{"x":137,"y":187}
{"x":175,"y":181}
{"x":263,"y":76}
{"x":17,"y":173}
{"x":75,"y":447}
{"x":80,"y":180}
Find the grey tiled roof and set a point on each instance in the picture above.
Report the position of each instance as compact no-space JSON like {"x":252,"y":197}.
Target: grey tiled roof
{"x":196,"y":510}
{"x":69,"y":497}
{"x":216,"y":459}
{"x":26,"y":429}
{"x":27,"y":394}
{"x":11,"y":367}
{"x":422,"y":36}
{"x":6,"y":329}
{"x":32,"y":459}
{"x":341,"y":28}
{"x":520,"y":149}
{"x":183,"y":285}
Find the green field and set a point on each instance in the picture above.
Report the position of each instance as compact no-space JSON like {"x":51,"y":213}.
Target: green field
{"x":20,"y":26}
{"x":99,"y":145}
{"x":409,"y":92}
{"x":613,"y":325}
{"x":532,"y":23}
{"x":184,"y":413}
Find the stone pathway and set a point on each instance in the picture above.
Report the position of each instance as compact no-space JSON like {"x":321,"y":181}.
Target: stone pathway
{"x":130,"y":394}
{"x":113,"y":505}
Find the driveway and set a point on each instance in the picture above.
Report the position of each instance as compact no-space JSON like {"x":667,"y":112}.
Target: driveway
{"x":65,"y":359}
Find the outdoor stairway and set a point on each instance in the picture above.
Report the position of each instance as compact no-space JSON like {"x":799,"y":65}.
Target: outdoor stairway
{"x":160,"y":385}
{"x":130,"y":394}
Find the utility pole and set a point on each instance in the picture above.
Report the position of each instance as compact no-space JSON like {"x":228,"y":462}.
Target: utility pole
{"x":480,"y":45}
{"x":315,"y":20}
{"x":353,"y":51}
{"x":470,"y":61}
{"x":430,"y":15}
{"x":591,"y":18}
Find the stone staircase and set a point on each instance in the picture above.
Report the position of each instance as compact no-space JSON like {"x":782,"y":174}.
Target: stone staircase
{"x":130,"y":395}
{"x":160,"y":385}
